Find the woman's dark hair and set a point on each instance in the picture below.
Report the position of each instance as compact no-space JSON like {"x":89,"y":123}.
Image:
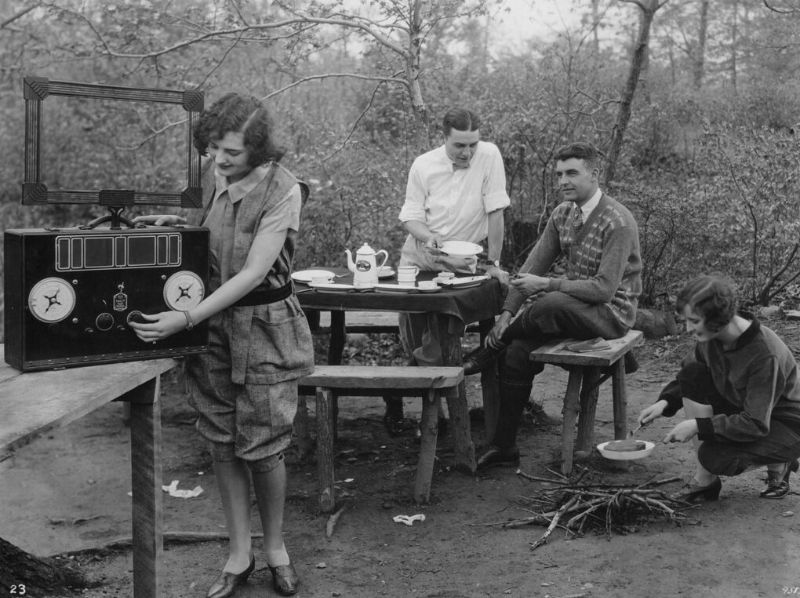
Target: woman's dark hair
{"x":461,"y":120}
{"x":581,"y":151}
{"x":234,"y":113}
{"x":712,"y":296}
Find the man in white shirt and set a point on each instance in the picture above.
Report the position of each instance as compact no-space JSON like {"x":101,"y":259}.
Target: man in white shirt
{"x":456,"y":192}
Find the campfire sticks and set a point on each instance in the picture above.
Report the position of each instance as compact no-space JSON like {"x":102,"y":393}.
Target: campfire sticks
{"x":607,"y":507}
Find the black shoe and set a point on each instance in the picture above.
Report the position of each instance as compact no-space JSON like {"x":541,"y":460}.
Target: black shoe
{"x":693,"y":493}
{"x":480,"y":359}
{"x":499,"y":457}
{"x":225,"y":585}
{"x":285,"y":579}
{"x":778,"y":481}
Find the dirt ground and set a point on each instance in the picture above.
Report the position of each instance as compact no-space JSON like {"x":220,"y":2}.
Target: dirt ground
{"x":69,"y":492}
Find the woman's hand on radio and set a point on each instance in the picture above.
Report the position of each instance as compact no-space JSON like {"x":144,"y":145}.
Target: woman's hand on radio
{"x":159,"y":326}
{"x":160,"y":219}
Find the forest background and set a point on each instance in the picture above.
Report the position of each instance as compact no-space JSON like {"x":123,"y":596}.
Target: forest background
{"x":694,"y":102}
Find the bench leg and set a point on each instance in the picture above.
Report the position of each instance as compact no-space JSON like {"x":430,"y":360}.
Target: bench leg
{"x":325,"y":476}
{"x":147,"y":515}
{"x":620,"y":396}
{"x":571,"y":408}
{"x":429,"y":428}
{"x":588,"y":409}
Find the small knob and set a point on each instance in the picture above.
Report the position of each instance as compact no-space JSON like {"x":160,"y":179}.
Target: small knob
{"x":104,"y":322}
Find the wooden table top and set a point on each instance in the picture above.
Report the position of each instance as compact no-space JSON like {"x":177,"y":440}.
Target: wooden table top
{"x":32,"y":403}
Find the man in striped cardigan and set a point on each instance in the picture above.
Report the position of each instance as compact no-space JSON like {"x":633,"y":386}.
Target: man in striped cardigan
{"x":596,"y":296}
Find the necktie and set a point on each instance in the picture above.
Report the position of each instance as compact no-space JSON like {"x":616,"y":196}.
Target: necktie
{"x":577,"y":218}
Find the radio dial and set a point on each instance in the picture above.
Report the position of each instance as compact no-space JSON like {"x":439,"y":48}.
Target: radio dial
{"x":51,"y":300}
{"x":183,"y":290}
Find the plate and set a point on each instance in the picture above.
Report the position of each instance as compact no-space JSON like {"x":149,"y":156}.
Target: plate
{"x":464,"y":282}
{"x":395,"y":288}
{"x":433,"y":290}
{"x":626,"y":455}
{"x":307,"y":275}
{"x":385,"y":272}
{"x":460,"y":248}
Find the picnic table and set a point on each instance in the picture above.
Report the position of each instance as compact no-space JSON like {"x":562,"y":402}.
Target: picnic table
{"x":33,"y":403}
{"x":466,"y":306}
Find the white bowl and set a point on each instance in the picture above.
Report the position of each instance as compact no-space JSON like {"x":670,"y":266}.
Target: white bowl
{"x":460,"y":248}
{"x":626,"y":455}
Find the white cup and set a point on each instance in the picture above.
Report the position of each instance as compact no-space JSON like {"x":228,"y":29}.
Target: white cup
{"x":445,"y":275}
{"x":320,"y":279}
{"x":407,"y":273}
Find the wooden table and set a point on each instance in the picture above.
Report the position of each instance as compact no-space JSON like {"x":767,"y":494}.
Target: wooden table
{"x":475,"y":304}
{"x":33,"y":403}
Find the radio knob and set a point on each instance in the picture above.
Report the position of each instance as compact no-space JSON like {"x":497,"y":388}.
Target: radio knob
{"x":135,"y":316}
{"x":104,"y":321}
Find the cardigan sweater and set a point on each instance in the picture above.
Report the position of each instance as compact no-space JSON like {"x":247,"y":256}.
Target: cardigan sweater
{"x":603,"y":262}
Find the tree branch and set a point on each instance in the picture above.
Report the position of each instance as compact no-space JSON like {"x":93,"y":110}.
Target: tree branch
{"x":19,"y":15}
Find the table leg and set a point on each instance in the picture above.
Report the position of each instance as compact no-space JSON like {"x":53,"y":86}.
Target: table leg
{"x":571,"y":408}
{"x":147,"y":510}
{"x":429,"y":429}
{"x":457,"y":404}
{"x":335,"y":350}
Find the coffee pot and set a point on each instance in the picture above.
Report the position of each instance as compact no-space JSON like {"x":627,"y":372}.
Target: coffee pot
{"x":365,"y":267}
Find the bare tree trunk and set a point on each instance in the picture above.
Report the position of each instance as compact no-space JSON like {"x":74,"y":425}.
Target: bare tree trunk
{"x":649,"y":8}
{"x":700,"y":54}
{"x":734,"y":42}
{"x":22,"y":574}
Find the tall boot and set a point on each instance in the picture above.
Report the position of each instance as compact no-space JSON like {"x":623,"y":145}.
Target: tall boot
{"x":503,"y":447}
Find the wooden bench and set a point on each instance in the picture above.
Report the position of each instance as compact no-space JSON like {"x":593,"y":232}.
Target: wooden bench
{"x":329,"y":381}
{"x":587,"y":371}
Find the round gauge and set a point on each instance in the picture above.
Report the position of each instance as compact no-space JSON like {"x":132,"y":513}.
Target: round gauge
{"x":183,"y":290}
{"x":51,"y":300}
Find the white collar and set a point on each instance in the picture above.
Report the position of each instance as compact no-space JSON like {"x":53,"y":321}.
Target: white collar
{"x":590,"y":205}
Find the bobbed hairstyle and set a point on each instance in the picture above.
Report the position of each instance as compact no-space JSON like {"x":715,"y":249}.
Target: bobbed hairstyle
{"x":461,"y":120}
{"x":580,"y":150}
{"x":711,"y":296}
{"x":236,"y":113}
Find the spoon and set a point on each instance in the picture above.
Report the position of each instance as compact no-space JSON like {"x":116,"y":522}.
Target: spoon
{"x":639,"y":427}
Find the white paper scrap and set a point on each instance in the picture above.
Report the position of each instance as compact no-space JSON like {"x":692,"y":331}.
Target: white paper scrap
{"x":172,"y":490}
{"x":408,"y":519}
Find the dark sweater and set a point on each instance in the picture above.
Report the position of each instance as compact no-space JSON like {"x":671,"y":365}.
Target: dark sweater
{"x":758,"y":375}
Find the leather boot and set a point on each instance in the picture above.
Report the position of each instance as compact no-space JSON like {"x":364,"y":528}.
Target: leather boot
{"x":503,"y":447}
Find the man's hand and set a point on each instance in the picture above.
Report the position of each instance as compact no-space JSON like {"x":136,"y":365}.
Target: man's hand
{"x":493,"y":340}
{"x":498,"y":273}
{"x":530,"y":284}
{"x":686,"y":430}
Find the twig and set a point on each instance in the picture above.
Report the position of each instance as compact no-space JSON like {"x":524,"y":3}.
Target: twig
{"x":535,"y":478}
{"x":569,"y":504}
{"x":331,"y":524}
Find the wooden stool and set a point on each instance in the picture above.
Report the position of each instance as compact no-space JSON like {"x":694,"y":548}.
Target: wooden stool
{"x":587,"y":371}
{"x":431,"y":383}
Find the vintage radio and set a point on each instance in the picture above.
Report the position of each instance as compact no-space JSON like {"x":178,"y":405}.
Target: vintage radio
{"x":71,"y":293}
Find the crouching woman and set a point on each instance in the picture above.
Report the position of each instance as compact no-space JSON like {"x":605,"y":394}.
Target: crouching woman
{"x":739,"y":391}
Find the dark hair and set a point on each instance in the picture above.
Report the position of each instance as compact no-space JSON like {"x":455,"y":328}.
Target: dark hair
{"x":582,"y":151}
{"x":461,"y":120}
{"x":234,"y":113}
{"x":712,"y":296}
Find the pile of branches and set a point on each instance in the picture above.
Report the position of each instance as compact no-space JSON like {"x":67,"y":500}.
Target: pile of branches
{"x":607,"y":508}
